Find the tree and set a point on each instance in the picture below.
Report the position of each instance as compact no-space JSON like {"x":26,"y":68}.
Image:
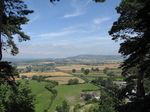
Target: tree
{"x":92,"y":68}
{"x":76,"y":81}
{"x":7,"y":72}
{"x":105,"y":70}
{"x":133,"y":27}
{"x":87,"y":71}
{"x":20,"y":100}
{"x":147,"y":86}
{"x":28,"y":69}
{"x":34,"y":77}
{"x":76,"y":107}
{"x":73,"y":81}
{"x":12,"y":15}
{"x":111,"y":74}
{"x":24,"y":77}
{"x":70,"y":81}
{"x":64,"y":108}
{"x":94,"y":108}
{"x":73,"y":70}
{"x":41,"y":78}
{"x":97,"y":69}
{"x":106,"y":103}
{"x":88,"y":97}
{"x":82,"y":69}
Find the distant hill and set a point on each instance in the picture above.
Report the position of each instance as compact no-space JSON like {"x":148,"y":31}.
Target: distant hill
{"x":86,"y":56}
{"x":16,"y":59}
{"x":100,"y":57}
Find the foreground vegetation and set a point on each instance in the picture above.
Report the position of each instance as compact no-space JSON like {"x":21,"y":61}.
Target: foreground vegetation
{"x":132,"y":27}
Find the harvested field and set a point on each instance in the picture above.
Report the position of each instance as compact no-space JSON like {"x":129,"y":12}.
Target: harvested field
{"x":21,"y":67}
{"x":64,"y":80}
{"x":47,"y":62}
{"x":78,"y":67}
{"x":46,"y":74}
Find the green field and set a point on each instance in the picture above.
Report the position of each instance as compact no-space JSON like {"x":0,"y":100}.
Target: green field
{"x":42,"y":95}
{"x":71,"y":93}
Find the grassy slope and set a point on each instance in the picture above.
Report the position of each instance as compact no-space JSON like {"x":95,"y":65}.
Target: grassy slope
{"x":42,"y":95}
{"x":71,"y":93}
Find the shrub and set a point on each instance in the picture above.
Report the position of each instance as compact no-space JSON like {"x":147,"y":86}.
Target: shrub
{"x":73,"y":81}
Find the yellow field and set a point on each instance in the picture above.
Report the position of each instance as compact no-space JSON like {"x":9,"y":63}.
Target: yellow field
{"x":78,"y":67}
{"x":46,"y":74}
{"x":21,"y":67}
{"x":64,"y":80}
{"x":47,"y":62}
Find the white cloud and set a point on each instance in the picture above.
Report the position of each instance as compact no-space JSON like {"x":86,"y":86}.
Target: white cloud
{"x":101,"y":20}
{"x":96,"y":38}
{"x":76,"y":13}
{"x":79,"y":7}
{"x":47,"y":35}
{"x":83,"y":28}
{"x":34,"y":18}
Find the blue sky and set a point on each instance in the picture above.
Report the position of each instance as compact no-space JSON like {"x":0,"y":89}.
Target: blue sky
{"x":68,"y":28}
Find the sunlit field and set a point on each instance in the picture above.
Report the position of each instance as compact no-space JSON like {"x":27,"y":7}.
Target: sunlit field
{"x":45,"y":74}
{"x":64,"y":80}
{"x":78,"y":67}
{"x":70,"y":93}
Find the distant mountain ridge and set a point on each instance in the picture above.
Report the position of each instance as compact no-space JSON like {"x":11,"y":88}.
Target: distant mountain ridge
{"x":17,"y":59}
{"x":86,"y":56}
{"x":101,"y":57}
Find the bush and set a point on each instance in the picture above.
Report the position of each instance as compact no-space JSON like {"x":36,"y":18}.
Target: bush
{"x":73,"y":81}
{"x":23,"y":77}
{"x":88,"y":97}
{"x":73,"y":70}
{"x":76,"y":107}
{"x":34,"y":77}
{"x":49,"y":87}
{"x":64,"y":108}
{"x":87,"y":71}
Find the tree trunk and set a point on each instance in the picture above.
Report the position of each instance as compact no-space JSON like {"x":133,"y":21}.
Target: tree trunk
{"x":140,"y":86}
{"x":140,"y":82}
{"x":1,"y":18}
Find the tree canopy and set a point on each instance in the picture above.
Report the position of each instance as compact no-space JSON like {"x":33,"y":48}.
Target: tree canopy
{"x":20,"y":100}
{"x":133,"y":26}
{"x":12,"y":15}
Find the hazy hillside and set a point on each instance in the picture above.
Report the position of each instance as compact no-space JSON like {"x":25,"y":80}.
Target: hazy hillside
{"x":91,"y":57}
{"x":100,"y":57}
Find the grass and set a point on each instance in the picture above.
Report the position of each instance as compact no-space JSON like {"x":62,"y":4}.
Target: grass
{"x":71,"y":93}
{"x":91,"y":78}
{"x":42,"y":95}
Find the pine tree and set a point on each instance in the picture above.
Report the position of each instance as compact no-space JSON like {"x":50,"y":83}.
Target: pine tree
{"x":12,"y":15}
{"x":133,"y":26}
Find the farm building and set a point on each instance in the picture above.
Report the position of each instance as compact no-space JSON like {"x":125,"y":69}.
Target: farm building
{"x":93,"y":95}
{"x":120,"y":83}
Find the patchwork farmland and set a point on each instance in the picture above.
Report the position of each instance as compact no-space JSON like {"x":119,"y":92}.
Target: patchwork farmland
{"x":62,"y":73}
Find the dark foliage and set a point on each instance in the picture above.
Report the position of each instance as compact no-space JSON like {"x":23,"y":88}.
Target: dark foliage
{"x":12,"y":15}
